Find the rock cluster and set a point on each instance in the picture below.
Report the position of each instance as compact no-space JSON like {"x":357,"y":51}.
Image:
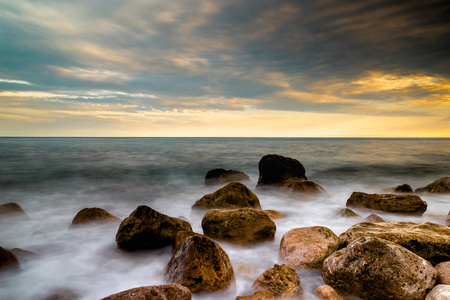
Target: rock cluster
{"x":222,"y":176}
{"x":405,"y":204}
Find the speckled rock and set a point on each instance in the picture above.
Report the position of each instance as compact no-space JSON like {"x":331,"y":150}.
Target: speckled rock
{"x":222,"y":176}
{"x":404,"y":204}
{"x":93,"y":215}
{"x":8,"y":261}
{"x":280,"y":281}
{"x":374,"y":218}
{"x":439,"y":292}
{"x":440,"y":186}
{"x":12,"y":210}
{"x":443,"y":272}
{"x":275,"y":169}
{"x":327,"y":292}
{"x":156,"y":292}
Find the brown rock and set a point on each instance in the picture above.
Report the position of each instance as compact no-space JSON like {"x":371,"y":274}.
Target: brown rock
{"x":440,"y":186}
{"x":275,"y":169}
{"x":443,"y":272}
{"x":281,"y":281}
{"x":233,"y":195}
{"x":299,"y":186}
{"x":146,"y":228}
{"x":348,"y":213}
{"x":12,"y":210}
{"x":405,"y":204}
{"x":307,"y":247}
{"x":373,"y":268}
{"x":374,"y":218}
{"x":8,"y":261}
{"x":273,"y":214}
{"x":404,"y":188}
{"x":243,"y":226}
{"x":258,"y":295}
{"x":93,"y":215}
{"x":200,"y":264}
{"x":222,"y":176}
{"x":155,"y":292}
{"x":428,"y":240}
{"x":439,"y":292}
{"x":327,"y":292}
{"x":180,"y":237}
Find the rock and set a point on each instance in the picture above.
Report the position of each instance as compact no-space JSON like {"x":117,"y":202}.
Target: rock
{"x":281,"y":281}
{"x":373,"y":268}
{"x":233,"y":195}
{"x":62,"y":295}
{"x":440,"y":186}
{"x":12,"y":210}
{"x":180,"y":237}
{"x":299,"y":186}
{"x":404,"y":188}
{"x":439,"y":292}
{"x":8,"y":261}
{"x":258,"y":295}
{"x":428,"y":240}
{"x":222,"y":176}
{"x":93,"y":215}
{"x":23,"y":255}
{"x":244,"y":226}
{"x":348,"y":213}
{"x":273,"y":214}
{"x":307,"y":247}
{"x":156,"y":292}
{"x":374,"y":218}
{"x":200,"y":264}
{"x":327,"y":292}
{"x":405,"y":204}
{"x":146,"y":228}
{"x":275,"y":169}
{"x":443,"y":272}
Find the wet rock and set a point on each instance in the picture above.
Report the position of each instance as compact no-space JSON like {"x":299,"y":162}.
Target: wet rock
{"x":439,"y":292}
{"x":233,"y":195}
{"x":428,"y":240}
{"x":299,"y":186}
{"x":374,"y":218}
{"x":258,"y":295}
{"x":373,"y":268}
{"x":180,"y":237}
{"x":280,"y":281}
{"x":93,"y":215}
{"x":275,"y":169}
{"x":307,"y":247}
{"x":404,"y":188}
{"x":222,"y":176}
{"x":348,"y":213}
{"x":200,"y":264}
{"x":8,"y":261}
{"x":440,"y":186}
{"x":273,"y":214}
{"x":157,"y":292}
{"x":405,"y":204}
{"x":146,"y":228}
{"x":327,"y":292}
{"x":443,"y":272}
{"x":12,"y":210}
{"x":243,"y":226}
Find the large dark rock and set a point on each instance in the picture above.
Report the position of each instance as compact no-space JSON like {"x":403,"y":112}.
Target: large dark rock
{"x":373,"y":268}
{"x":280,"y":281}
{"x":307,"y":247}
{"x":146,"y":228}
{"x":403,"y":188}
{"x":440,"y":186}
{"x":428,"y":240}
{"x":8,"y":261}
{"x":405,"y":204}
{"x":200,"y":264}
{"x":275,"y":169}
{"x":222,"y":176}
{"x":154,"y":292}
{"x":12,"y":210}
{"x":243,"y":226}
{"x":93,"y":215}
{"x":302,"y":187}
{"x":233,"y":195}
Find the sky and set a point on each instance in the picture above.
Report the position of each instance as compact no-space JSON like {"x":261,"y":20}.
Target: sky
{"x":256,"y":68}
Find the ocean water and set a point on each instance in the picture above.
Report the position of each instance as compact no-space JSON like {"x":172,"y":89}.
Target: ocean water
{"x":54,"y":178}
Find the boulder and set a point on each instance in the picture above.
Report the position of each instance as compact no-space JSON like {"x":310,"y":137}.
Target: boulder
{"x":443,"y":272}
{"x":280,"y":281}
{"x":348,"y":213}
{"x":404,"y":188}
{"x":373,"y":268}
{"x":180,"y":237}
{"x":200,"y":264}
{"x":12,"y":210}
{"x":146,"y":228}
{"x":233,"y":195}
{"x":299,"y":186}
{"x":8,"y":261}
{"x":222,"y":176}
{"x":428,"y":240}
{"x":374,"y":218}
{"x":274,"y":214}
{"x":93,"y":215}
{"x":258,"y":295}
{"x":307,"y":247}
{"x":244,"y":226}
{"x":405,"y":204}
{"x":439,"y":292}
{"x":157,"y":292}
{"x":327,"y":292}
{"x":440,"y":186}
{"x":275,"y":169}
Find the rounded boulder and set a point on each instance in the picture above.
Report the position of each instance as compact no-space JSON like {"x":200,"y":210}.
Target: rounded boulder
{"x":93,"y":215}
{"x":275,"y":169}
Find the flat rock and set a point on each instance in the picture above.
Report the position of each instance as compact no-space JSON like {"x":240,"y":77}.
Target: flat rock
{"x":404,"y":204}
{"x":281,"y":281}
{"x":93,"y":215}
{"x":327,"y":292}
{"x":443,"y":272}
{"x":222,"y":176}
{"x":244,"y":226}
{"x":374,"y":268}
{"x":440,"y":186}
{"x":439,"y":292}
{"x":307,"y":247}
{"x":12,"y":210}
{"x":275,"y":169}
{"x":156,"y":292}
{"x":8,"y":261}
{"x":428,"y":240}
{"x":299,"y":187}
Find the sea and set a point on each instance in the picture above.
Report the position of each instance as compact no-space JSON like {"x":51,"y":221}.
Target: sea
{"x":54,"y":178}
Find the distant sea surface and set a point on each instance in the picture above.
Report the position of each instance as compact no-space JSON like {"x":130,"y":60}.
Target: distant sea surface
{"x":54,"y":178}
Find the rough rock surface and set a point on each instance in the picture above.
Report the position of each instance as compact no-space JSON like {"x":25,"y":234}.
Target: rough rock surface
{"x":200,"y":264}
{"x":274,"y":214}
{"x":440,"y":186}
{"x":299,"y":186}
{"x":222,"y":176}
{"x":373,"y":268}
{"x":146,"y":228}
{"x":374,"y":218}
{"x":233,"y":195}
{"x":244,"y":226}
{"x":439,"y":292}
{"x":307,"y":247}
{"x":428,"y":240}
{"x":258,"y":295}
{"x":8,"y":261}
{"x":281,"y":281}
{"x":155,"y":292}
{"x":443,"y":272}
{"x":348,"y":213}
{"x":403,"y":188}
{"x":275,"y":169}
{"x":12,"y":210}
{"x":327,"y":292}
{"x":405,"y":204}
{"x":93,"y":215}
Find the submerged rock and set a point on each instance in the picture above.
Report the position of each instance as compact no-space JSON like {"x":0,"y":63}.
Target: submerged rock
{"x":428,"y":240}
{"x":299,"y":186}
{"x":374,"y":218}
{"x":222,"y":176}
{"x":62,"y":294}
{"x":274,"y":214}
{"x":405,"y":204}
{"x":243,"y":226}
{"x":93,"y":215}
{"x":12,"y":210}
{"x":162,"y":292}
{"x":403,"y":188}
{"x":280,"y":281}
{"x":443,"y":272}
{"x":8,"y":261}
{"x":327,"y":292}
{"x":307,"y":247}
{"x":233,"y":195}
{"x":275,"y":169}
{"x":374,"y":268}
{"x":440,"y":186}
{"x":348,"y":213}
{"x":146,"y":228}
{"x":439,"y":292}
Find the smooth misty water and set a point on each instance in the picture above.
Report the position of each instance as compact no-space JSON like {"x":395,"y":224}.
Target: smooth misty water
{"x":54,"y":178}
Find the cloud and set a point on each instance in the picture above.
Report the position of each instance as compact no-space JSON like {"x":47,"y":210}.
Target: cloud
{"x":15,"y":81}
